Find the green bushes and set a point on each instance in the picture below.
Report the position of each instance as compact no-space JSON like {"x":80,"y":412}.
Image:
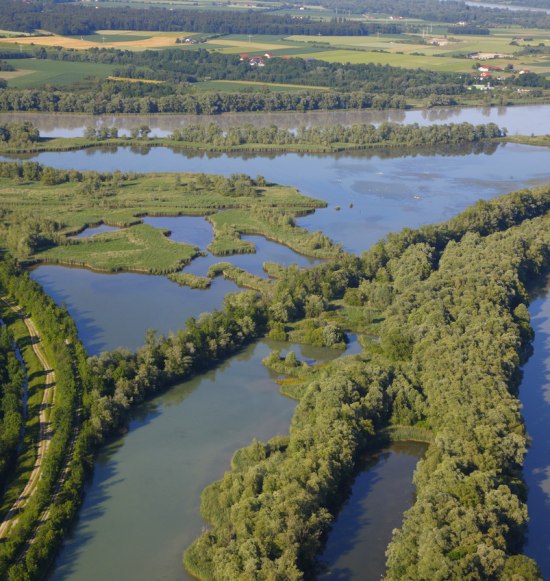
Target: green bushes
{"x":446,"y":370}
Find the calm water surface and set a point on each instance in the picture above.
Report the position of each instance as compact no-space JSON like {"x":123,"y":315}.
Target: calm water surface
{"x":89,"y":232}
{"x":199,"y":231}
{"x":518,"y":120}
{"x":142,"y":506}
{"x":535,"y":397}
{"x":387,"y":192}
{"x":113,"y":310}
{"x":382,"y":491}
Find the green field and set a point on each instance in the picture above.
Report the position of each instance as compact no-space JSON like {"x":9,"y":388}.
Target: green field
{"x":42,"y":72}
{"x":416,"y":50}
{"x":140,"y":248}
{"x":107,"y":37}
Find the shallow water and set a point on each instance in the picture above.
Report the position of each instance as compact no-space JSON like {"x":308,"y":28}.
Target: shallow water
{"x":377,"y":192}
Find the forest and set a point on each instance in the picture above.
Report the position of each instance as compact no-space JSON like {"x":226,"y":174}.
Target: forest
{"x":451,"y":12}
{"x":77,"y":19}
{"x":73,"y":18}
{"x":449,"y":294}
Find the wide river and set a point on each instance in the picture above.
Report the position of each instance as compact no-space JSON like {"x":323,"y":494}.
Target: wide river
{"x":523,"y":120}
{"x":141,"y":507}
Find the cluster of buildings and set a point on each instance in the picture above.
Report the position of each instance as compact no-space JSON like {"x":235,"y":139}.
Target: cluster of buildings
{"x":255,"y":61}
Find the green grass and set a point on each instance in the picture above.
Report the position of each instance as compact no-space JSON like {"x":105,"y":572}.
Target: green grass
{"x":57,"y":73}
{"x":140,"y":248}
{"x":190,"y":280}
{"x":395,"y":60}
{"x":231,"y":224}
{"x":112,"y":37}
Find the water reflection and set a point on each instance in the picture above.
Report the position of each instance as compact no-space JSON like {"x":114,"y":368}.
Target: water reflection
{"x":89,"y":232}
{"x":521,"y":119}
{"x":112,"y":310}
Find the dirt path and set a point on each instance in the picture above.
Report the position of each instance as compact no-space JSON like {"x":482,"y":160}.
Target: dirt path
{"x":45,"y":428}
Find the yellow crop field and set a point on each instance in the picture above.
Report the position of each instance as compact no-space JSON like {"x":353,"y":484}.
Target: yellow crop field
{"x":154,"y":40}
{"x":131,"y":80}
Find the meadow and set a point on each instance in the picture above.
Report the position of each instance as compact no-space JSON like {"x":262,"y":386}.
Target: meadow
{"x":40,"y":72}
{"x":236,"y":206}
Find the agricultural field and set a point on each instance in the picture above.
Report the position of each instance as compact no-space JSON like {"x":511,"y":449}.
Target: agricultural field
{"x":431,"y":50}
{"x":232,"y":86}
{"x":129,"y":40}
{"x":40,"y":72}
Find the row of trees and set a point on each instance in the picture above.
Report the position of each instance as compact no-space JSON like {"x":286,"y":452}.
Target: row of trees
{"x":112,"y":100}
{"x":357,"y":134}
{"x":12,"y":382}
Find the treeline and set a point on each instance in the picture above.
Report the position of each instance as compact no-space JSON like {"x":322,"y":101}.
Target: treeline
{"x":453,"y":12}
{"x":108,"y":100}
{"x":77,"y":19}
{"x":122,"y":378}
{"x":462,"y":332}
{"x":12,"y":383}
{"x":456,"y":328}
{"x":60,"y":496}
{"x":364,"y":135}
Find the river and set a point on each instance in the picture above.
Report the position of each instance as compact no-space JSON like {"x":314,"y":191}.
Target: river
{"x":376,"y":193}
{"x":535,"y":397}
{"x":382,"y":491}
{"x":523,"y":120}
{"x":141,"y":508}
{"x":512,"y":7}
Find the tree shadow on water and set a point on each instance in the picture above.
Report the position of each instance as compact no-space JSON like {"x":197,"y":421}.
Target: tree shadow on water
{"x":352,"y":519}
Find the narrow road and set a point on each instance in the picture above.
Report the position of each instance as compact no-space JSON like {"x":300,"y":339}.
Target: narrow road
{"x":45,"y":428}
